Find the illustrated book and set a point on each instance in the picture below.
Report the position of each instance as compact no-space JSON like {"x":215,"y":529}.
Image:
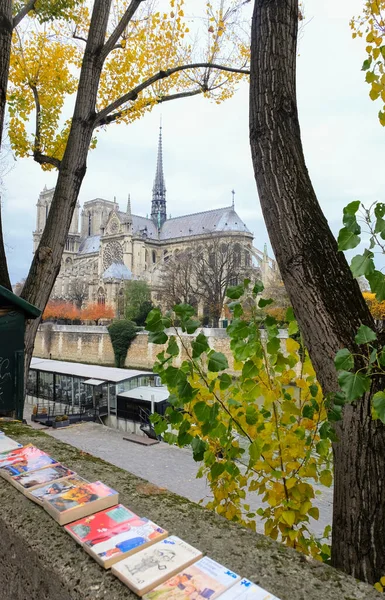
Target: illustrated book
{"x":204,"y":580}
{"x":6,"y":444}
{"x":151,"y":567}
{"x":31,"y":459}
{"x":246,"y":590}
{"x":35,"y":479}
{"x":81,"y":501}
{"x":138,"y":535}
{"x":101,"y":526}
{"x":51,"y":490}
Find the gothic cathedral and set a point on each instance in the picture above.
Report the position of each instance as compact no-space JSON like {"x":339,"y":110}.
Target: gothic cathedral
{"x":114,"y":246}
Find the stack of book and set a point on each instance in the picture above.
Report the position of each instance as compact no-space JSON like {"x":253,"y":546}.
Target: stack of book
{"x":152,"y":563}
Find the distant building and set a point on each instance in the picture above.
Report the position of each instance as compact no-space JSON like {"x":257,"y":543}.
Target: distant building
{"x":114,"y":246}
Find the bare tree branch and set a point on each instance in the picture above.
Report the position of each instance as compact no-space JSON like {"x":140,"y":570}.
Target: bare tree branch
{"x":121,"y":26}
{"x":133,"y":94}
{"x":160,"y":100}
{"x":24,"y":11}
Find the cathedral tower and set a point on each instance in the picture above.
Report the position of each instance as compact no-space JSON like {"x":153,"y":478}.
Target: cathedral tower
{"x":158,"y":205}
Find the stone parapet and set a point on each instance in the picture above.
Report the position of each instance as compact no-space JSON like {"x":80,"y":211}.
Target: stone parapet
{"x":39,"y":561}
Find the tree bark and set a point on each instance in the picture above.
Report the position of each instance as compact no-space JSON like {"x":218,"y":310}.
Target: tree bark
{"x":326,"y":299}
{"x":6,"y":28}
{"x":47,"y":259}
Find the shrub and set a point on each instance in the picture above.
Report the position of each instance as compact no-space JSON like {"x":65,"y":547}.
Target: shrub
{"x":121,"y":333}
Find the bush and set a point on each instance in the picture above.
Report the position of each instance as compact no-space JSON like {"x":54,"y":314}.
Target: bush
{"x":121,"y":333}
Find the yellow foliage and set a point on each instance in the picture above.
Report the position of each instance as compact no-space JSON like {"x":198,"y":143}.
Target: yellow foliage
{"x":376,"y":308}
{"x":46,"y":60}
{"x":371,"y":24}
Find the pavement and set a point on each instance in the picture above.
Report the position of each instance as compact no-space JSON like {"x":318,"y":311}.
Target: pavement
{"x":166,"y":466}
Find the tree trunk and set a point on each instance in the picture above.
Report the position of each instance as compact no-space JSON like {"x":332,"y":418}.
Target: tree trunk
{"x":6,"y":27}
{"x":326,"y":299}
{"x":47,"y":259}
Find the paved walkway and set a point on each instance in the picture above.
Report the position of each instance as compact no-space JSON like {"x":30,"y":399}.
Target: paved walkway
{"x":166,"y":466}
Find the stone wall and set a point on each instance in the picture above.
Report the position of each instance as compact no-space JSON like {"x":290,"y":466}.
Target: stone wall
{"x":93,"y":345}
{"x":40,"y":561}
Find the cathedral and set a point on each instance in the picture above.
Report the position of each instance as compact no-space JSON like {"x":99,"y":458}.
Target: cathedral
{"x":115,"y":246}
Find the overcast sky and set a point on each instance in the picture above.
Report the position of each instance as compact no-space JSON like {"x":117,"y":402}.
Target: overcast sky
{"x":206,"y":149}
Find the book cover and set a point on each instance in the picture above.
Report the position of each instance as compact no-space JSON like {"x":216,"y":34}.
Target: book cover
{"x":139,"y":534}
{"x":6,"y":444}
{"x":20,"y":454}
{"x":80,"y":501}
{"x":246,"y":590}
{"x":51,"y":490}
{"x":204,"y":580}
{"x":101,"y":526}
{"x":147,"y":569}
{"x":33,"y":461}
{"x":29,"y":481}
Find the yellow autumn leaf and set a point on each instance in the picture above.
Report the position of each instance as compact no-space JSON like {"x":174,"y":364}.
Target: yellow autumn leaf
{"x":292,"y":346}
{"x":288,"y":516}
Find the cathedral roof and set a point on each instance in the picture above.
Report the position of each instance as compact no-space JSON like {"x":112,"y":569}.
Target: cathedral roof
{"x":90,"y":244}
{"x":141,"y":223}
{"x":209,"y":221}
{"x":117,"y":271}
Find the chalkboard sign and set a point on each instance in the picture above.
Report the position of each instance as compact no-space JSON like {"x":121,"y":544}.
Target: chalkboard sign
{"x":13,"y":313}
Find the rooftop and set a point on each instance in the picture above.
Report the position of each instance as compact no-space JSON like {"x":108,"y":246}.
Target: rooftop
{"x":112,"y":374}
{"x":156,"y":394}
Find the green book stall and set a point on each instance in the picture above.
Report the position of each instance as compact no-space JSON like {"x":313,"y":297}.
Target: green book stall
{"x":14,"y":312}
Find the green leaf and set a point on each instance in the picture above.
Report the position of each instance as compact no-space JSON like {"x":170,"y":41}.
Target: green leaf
{"x":217,"y":470}
{"x":293,"y":328}
{"x":362,"y":264}
{"x":172,"y":376}
{"x":255,"y":450}
{"x":377,"y":284}
{"x":323,"y":447}
{"x":347,"y":239}
{"x":184,"y":311}
{"x":225,"y":381}
{"x":370,"y":77}
{"x":234,"y":292}
{"x":379,"y":405}
{"x":273,"y":345}
{"x":199,"y":448}
{"x":366,"y":64}
{"x":349,"y":217}
{"x":174,"y":416}
{"x":308,"y":412}
{"x":157,"y":337}
{"x":327,"y":432}
{"x":344,"y":360}
{"x":217,"y":362}
{"x":154,"y":321}
{"x":185,"y":391}
{"x":353,"y":384}
{"x":191,"y":325}
{"x":200,"y":345}
{"x":258,"y":288}
{"x":249,"y":370}
{"x":202,"y":411}
{"x":172,"y":347}
{"x":238,"y":329}
{"x":251,"y":415}
{"x":365,"y":335}
{"x":290,"y":314}
{"x":313,"y":390}
{"x":265,"y":302}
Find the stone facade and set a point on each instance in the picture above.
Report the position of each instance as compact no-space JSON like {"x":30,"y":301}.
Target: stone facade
{"x":113,"y":246}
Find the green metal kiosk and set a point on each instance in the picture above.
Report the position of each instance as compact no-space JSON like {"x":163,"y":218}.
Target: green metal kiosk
{"x":14,"y":312}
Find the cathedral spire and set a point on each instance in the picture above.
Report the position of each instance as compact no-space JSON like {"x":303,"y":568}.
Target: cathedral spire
{"x":158,"y":205}
{"x":129,"y":205}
